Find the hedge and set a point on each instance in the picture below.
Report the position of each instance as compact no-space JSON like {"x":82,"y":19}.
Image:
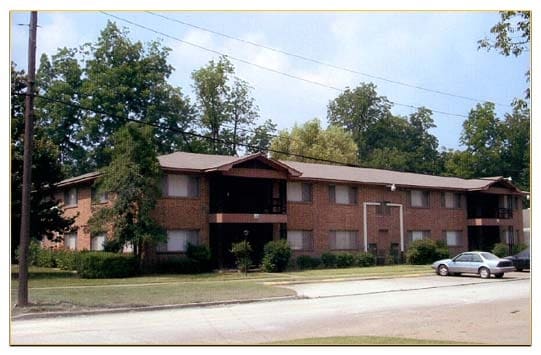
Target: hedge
{"x":426,"y":251}
{"x":344,"y":260}
{"x":307,"y":262}
{"x":101,"y":265}
{"x":276,"y":256}
{"x":366,"y":259}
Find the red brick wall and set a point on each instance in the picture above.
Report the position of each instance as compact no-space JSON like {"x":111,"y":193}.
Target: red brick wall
{"x":320,"y":216}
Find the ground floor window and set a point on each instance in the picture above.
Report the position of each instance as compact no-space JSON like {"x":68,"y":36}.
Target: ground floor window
{"x":343,"y":239}
{"x":418,"y":235}
{"x":96,"y":243}
{"x":300,"y":239}
{"x":453,"y":238}
{"x":70,"y":241}
{"x":178,"y":240}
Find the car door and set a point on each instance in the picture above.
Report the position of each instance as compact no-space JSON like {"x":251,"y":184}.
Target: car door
{"x":474,"y":264}
{"x":459,"y":264}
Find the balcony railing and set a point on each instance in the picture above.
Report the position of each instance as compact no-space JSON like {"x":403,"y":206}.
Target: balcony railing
{"x":501,"y":213}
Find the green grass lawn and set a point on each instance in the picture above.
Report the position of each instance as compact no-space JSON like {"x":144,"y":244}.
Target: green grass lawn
{"x":53,"y":289}
{"x":364,"y":340}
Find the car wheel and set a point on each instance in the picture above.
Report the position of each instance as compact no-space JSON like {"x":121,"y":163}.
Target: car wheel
{"x":443,"y":270}
{"x":498,"y":276}
{"x":484,"y":272}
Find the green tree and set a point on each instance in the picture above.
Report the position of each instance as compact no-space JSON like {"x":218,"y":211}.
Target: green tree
{"x":226,"y":109}
{"x":311,"y":140}
{"x":261,"y":138}
{"x":46,"y":217}
{"x":355,"y":110}
{"x":134,"y":178}
{"x":511,"y":36}
{"x":516,"y":144}
{"x":117,"y":76}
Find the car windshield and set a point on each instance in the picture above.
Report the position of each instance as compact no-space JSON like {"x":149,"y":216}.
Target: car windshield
{"x":488,"y":256}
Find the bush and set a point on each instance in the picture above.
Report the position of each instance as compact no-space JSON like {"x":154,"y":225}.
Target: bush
{"x":66,"y":259}
{"x":426,"y":251}
{"x":45,"y":258}
{"x":307,"y":262}
{"x":276,"y":256}
{"x":365,"y":259}
{"x":328,"y":260}
{"x":242,"y":251}
{"x":178,"y":265}
{"x":112,"y":245}
{"x":100,"y":265}
{"x":502,"y":249}
{"x":345,"y":260}
{"x":200,"y":254}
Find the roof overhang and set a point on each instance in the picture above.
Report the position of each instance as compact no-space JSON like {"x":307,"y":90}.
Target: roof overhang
{"x":275,"y":164}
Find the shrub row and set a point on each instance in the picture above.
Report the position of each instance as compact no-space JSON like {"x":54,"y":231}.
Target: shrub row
{"x":196,"y":260}
{"x":502,"y":249}
{"x":426,"y":251}
{"x":342,"y":260}
{"x":100,"y":265}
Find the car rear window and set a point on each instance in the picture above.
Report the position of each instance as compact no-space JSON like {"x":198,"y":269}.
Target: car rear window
{"x":489,"y":256}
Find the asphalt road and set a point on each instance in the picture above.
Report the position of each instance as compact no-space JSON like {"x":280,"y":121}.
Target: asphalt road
{"x":464,"y":309}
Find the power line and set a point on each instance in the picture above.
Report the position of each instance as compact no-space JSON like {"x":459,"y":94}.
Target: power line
{"x":319,"y":62}
{"x":263,"y":67}
{"x":196,"y":135}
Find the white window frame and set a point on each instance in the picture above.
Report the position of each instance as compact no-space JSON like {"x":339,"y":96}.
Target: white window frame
{"x":71,"y":193}
{"x":178,"y":240}
{"x":99,"y":247}
{"x":179,"y":185}
{"x":343,"y":239}
{"x":299,"y":192}
{"x":69,"y":239}
{"x":418,"y":197}
{"x":456,"y":234}
{"x":300,"y":239}
{"x":452,"y":200}
{"x":418,"y":234}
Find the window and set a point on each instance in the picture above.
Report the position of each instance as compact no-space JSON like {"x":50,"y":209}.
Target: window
{"x":451,"y":200}
{"x":419,"y":198}
{"x":180,"y":185}
{"x":300,"y":239}
{"x":70,"y":241}
{"x":343,"y":194}
{"x":99,"y":197}
{"x":507,"y":235}
{"x":476,"y":258}
{"x":128,"y":247}
{"x":70,"y":197}
{"x":96,"y":243}
{"x":453,"y":238}
{"x":418,"y":235}
{"x":343,"y":240}
{"x":299,"y":192}
{"x":463,"y":258}
{"x":178,"y":240}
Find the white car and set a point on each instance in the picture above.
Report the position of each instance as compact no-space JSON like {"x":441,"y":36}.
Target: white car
{"x":474,"y":262}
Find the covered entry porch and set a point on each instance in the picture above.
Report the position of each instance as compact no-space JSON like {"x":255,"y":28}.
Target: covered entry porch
{"x":223,"y":235}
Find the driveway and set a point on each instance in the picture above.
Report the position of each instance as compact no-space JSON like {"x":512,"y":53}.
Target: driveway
{"x":455,"y":309}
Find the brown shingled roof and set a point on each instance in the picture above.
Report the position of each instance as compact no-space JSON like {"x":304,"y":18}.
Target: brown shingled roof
{"x":183,"y":161}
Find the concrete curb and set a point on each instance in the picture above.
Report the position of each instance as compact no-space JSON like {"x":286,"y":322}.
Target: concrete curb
{"x":367,"y":278}
{"x":28,"y":316}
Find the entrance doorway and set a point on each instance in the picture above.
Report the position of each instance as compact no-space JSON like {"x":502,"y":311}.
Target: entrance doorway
{"x":223,"y":235}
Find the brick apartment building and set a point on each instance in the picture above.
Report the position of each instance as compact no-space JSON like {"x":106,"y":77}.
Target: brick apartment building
{"x":217,"y":200}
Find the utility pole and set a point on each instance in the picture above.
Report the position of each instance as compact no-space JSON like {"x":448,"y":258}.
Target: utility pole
{"x":27,"y":163}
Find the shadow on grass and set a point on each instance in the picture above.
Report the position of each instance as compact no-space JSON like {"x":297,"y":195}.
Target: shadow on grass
{"x":44,"y":275}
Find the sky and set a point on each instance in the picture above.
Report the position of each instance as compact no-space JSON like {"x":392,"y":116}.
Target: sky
{"x":434,"y":50}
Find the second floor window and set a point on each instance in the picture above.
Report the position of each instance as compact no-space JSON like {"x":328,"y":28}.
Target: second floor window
{"x":299,"y":192}
{"x":343,"y":194}
{"x":70,"y":197}
{"x":99,"y":197}
{"x":180,"y":185}
{"x":419,"y":198}
{"x":451,"y":200}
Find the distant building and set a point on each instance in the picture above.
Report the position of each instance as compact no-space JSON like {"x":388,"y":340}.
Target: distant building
{"x":217,"y":200}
